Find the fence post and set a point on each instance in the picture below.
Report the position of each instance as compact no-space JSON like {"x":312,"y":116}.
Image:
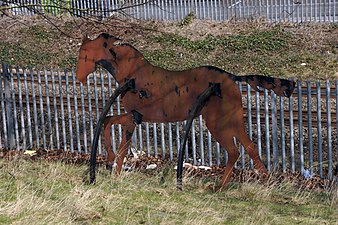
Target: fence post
{"x":8,"y":101}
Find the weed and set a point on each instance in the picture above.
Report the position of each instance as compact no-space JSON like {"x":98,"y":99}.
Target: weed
{"x":187,"y":19}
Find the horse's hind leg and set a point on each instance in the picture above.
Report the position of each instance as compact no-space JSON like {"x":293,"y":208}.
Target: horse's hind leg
{"x":107,"y":141}
{"x":128,"y":126}
{"x":252,"y":150}
{"x":233,"y":156}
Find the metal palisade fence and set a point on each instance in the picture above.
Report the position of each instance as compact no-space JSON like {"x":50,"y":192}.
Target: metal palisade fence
{"x":50,"y":109}
{"x":272,"y":10}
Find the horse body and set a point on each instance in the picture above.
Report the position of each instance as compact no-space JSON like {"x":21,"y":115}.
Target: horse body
{"x":161,"y":95}
{"x":170,"y":96}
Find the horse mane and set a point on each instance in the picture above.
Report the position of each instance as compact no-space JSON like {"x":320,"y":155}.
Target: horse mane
{"x":123,"y":44}
{"x":120,"y":43}
{"x":129,"y":45}
{"x":108,"y":36}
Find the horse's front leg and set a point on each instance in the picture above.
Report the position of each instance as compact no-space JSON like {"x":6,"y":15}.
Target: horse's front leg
{"x":128,"y":126}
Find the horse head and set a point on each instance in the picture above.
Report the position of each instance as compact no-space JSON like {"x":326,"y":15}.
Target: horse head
{"x":96,"y":52}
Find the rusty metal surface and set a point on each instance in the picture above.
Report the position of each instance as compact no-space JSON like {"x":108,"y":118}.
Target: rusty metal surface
{"x":168,"y":96}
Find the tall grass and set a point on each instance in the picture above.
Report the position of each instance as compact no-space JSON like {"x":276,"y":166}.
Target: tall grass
{"x":43,"y":192}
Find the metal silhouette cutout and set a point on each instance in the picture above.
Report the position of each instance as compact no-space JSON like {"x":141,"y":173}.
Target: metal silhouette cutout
{"x":153,"y":94}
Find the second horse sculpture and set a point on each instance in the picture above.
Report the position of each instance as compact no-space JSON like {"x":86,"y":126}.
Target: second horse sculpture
{"x":153,"y":94}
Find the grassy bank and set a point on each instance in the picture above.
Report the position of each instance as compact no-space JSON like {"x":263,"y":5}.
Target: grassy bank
{"x":52,"y":192}
{"x":305,"y":51}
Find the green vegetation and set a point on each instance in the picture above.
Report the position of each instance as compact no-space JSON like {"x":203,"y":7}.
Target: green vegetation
{"x":43,"y":192}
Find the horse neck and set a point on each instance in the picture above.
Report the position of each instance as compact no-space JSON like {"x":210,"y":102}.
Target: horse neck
{"x":130,"y":63}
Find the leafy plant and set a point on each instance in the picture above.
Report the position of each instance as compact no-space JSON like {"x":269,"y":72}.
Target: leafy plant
{"x":188,"y":19}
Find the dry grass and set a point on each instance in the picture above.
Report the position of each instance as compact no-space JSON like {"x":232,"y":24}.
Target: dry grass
{"x":52,"y":193}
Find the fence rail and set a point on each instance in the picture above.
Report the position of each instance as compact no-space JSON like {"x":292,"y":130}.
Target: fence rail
{"x":51,"y":110}
{"x":219,"y":10}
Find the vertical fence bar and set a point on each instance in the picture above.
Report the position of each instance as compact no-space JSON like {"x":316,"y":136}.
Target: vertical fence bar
{"x":200,"y":121}
{"x":97,"y":111}
{"x":118,"y":105}
{"x":241,"y":146}
{"x":49,"y":120}
{"x":267,"y":10}
{"x":280,"y":10}
{"x":300,"y":126}
{"x":177,"y":137}
{"x":112,"y":129}
{"x":162,"y":140}
{"x":29,"y":123}
{"x":282,"y":134}
{"x":329,"y":131}
{"x":334,"y":12}
{"x":103,"y":99}
{"x":165,"y":10}
{"x":193,"y":142}
{"x":77,"y":126}
{"x":91,"y":131}
{"x":8,"y":102}
{"x":292,"y":136}
{"x":274,"y":132}
{"x":62,"y":111}
{"x":147,"y":139}
{"x":133,"y":140}
{"x":42,"y":116}
{"x":249,"y":116}
{"x":140,"y":137}
{"x":302,"y":12}
{"x":267,"y":131}
{"x":309,"y":115}
{"x":187,"y":143}
{"x":56,"y":117}
{"x":22,"y":118}
{"x":3,"y":110}
{"x":209,"y":148}
{"x":315,"y":12}
{"x":15,"y":118}
{"x":170,"y":140}
{"x":35,"y":116}
{"x":319,"y":129}
{"x":155,"y":139}
{"x":218,"y":154}
{"x":258,"y":119}
{"x":84,"y":126}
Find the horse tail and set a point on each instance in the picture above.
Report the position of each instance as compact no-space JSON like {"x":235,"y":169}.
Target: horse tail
{"x":281,"y":87}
